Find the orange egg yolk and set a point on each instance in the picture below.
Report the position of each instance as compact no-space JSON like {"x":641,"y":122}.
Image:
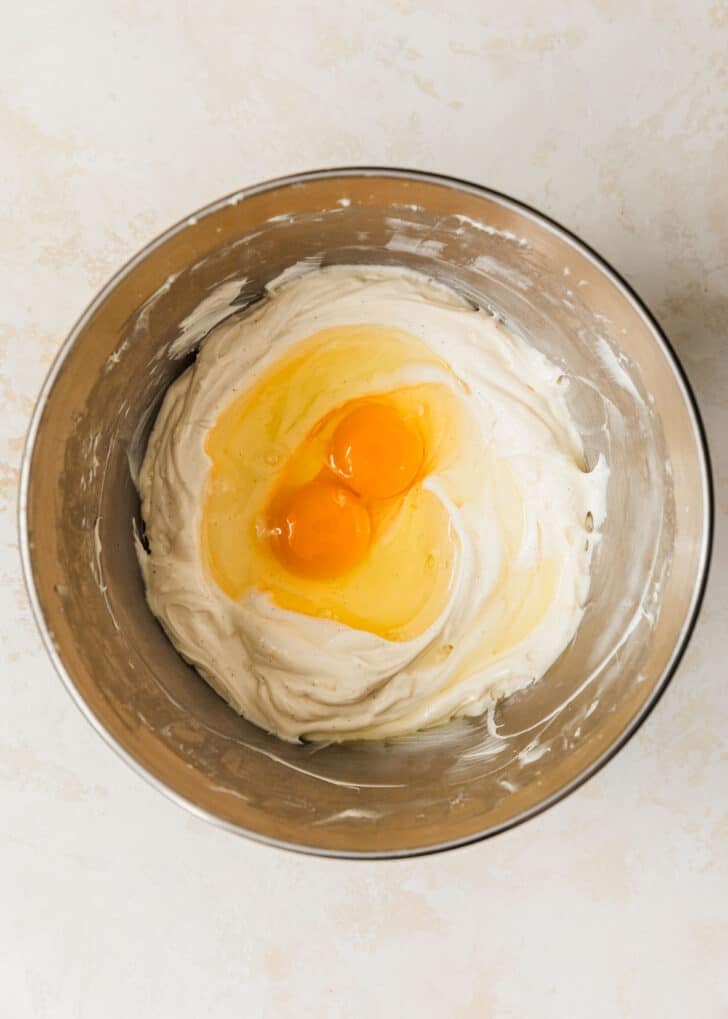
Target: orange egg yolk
{"x":376,"y":452}
{"x":320,"y":530}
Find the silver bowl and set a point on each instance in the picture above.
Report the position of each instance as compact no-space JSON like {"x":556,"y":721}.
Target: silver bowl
{"x":452,"y":785}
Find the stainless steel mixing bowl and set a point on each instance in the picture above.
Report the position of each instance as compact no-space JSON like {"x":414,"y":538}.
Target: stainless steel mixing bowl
{"x":434,"y":790}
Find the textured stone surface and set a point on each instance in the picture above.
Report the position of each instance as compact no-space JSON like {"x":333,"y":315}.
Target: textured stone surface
{"x":117,"y":119}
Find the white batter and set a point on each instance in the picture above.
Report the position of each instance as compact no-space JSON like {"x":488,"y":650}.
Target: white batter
{"x":301,"y":676}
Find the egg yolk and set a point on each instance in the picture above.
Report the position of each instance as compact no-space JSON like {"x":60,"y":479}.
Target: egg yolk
{"x":376,"y":452}
{"x":320,"y":530}
{"x":323,"y":528}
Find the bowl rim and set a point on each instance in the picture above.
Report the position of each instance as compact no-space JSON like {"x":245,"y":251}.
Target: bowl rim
{"x":456,"y":184}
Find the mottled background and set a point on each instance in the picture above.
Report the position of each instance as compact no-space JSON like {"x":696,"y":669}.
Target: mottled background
{"x":116,"y":119}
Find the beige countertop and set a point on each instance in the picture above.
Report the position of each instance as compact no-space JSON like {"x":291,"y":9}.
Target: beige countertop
{"x":119,"y":118}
